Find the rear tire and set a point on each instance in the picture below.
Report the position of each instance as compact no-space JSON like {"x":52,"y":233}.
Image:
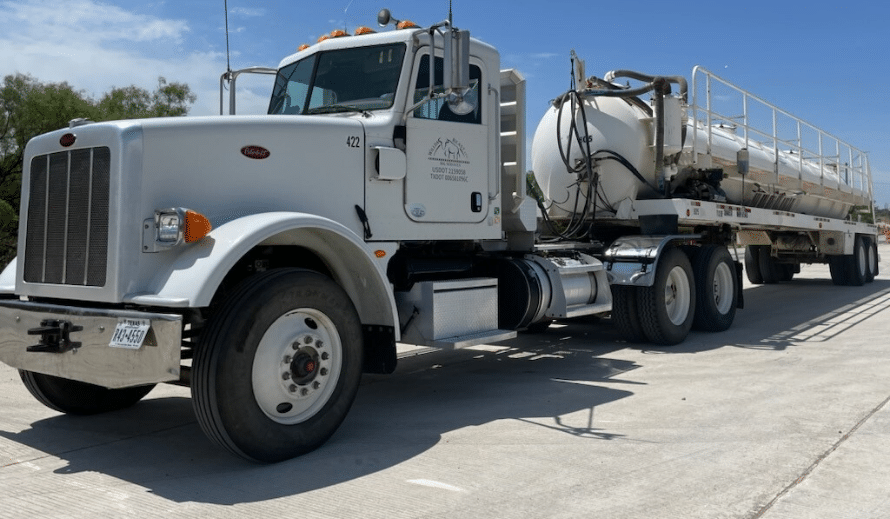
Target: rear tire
{"x":625,"y":315}
{"x":837,"y":265}
{"x":752,"y":264}
{"x":79,"y":398}
{"x":716,"y":290}
{"x":872,"y":259}
{"x":279,"y":367}
{"x":771,"y":271}
{"x":667,"y":308}
{"x":857,"y":264}
{"x":787,"y":272}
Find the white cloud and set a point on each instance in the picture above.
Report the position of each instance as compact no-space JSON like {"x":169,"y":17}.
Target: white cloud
{"x":87,"y":20}
{"x":247,"y":11}
{"x":94,"y":46}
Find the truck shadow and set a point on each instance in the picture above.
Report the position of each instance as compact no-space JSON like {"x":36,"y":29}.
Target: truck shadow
{"x":158,"y":445}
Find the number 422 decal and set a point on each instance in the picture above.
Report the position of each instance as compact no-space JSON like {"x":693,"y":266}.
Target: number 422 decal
{"x":353,"y":141}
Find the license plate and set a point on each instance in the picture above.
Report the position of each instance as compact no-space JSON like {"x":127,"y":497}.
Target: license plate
{"x":130,"y":333}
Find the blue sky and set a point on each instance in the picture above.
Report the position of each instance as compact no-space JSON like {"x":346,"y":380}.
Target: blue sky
{"x":824,"y":62}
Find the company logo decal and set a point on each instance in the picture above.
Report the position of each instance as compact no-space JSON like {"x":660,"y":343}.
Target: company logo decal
{"x":67,"y":139}
{"x":449,"y":160}
{"x":255,"y":152}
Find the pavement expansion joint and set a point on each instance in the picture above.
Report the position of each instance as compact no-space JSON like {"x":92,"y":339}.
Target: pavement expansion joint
{"x":809,"y":470}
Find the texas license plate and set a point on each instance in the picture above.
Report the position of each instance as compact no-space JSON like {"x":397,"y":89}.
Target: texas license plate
{"x":130,"y":333}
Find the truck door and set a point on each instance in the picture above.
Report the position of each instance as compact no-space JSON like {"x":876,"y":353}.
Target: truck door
{"x":447,"y":154}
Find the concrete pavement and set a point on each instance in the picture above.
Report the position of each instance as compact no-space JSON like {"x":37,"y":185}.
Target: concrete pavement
{"x":786,"y":415}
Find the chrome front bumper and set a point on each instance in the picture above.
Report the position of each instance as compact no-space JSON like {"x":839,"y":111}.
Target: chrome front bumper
{"x":93,"y":360}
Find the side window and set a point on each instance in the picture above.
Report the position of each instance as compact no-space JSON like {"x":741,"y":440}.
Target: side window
{"x":438,"y":108}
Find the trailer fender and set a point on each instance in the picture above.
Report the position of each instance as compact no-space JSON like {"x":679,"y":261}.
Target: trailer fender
{"x":191,"y":280}
{"x":631,"y":260}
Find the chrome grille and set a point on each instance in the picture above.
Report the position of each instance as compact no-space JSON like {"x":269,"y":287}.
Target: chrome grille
{"x":67,"y":237}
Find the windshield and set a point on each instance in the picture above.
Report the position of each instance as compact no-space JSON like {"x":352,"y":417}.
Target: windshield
{"x":346,"y":80}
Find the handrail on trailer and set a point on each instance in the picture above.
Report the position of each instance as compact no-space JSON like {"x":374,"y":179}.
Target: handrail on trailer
{"x":853,"y":173}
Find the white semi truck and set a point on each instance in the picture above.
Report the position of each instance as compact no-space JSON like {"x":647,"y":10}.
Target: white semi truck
{"x":268,"y":261}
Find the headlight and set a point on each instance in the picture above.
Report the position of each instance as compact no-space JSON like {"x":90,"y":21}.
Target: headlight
{"x":169,"y":227}
{"x":172,"y":227}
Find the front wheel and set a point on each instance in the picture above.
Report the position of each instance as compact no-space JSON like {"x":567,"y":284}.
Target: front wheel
{"x":279,"y":367}
{"x":668,"y":306}
{"x":80,"y":398}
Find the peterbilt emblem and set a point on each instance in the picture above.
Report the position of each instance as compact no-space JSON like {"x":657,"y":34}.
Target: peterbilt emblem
{"x":255,"y":152}
{"x":67,"y":139}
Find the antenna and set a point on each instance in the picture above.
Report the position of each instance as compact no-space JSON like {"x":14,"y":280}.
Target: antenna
{"x":344,"y":15}
{"x":228,"y":63}
{"x":450,"y":24}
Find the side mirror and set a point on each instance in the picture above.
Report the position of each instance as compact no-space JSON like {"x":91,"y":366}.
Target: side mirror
{"x":457,"y":71}
{"x":384,"y":17}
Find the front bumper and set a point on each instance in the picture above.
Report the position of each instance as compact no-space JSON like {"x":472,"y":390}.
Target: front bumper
{"x":94,"y":361}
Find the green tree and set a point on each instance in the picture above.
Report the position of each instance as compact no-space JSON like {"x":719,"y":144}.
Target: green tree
{"x":29,"y":107}
{"x":132,"y":102}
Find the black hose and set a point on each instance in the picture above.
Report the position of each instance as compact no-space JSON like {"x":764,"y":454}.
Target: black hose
{"x":639,"y":76}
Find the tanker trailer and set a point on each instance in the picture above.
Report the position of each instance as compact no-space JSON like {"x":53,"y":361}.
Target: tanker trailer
{"x":666,"y":147}
{"x":667,"y":187}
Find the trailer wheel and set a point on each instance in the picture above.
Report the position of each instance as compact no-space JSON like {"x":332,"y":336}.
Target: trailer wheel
{"x":625,"y":315}
{"x":752,"y":264}
{"x":279,"y":367}
{"x":787,"y":272}
{"x":716,"y":290}
{"x":771,"y":271}
{"x":837,"y":265}
{"x":857,"y":264}
{"x":80,"y":398}
{"x":872,"y":260}
{"x":667,"y":307}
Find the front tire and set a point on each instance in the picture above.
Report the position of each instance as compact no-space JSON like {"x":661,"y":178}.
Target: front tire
{"x":716,"y":290}
{"x":79,"y":398}
{"x":279,"y":367}
{"x":667,"y":307}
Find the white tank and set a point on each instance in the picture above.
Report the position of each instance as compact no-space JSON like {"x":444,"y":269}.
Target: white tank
{"x":812,"y":186}
{"x":612,"y":124}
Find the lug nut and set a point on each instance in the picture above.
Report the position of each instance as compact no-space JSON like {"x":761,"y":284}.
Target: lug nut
{"x":316,"y":384}
{"x":293,"y":388}
{"x":325,"y":356}
{"x":304,"y":391}
{"x":319,"y":344}
{"x":308,"y":339}
{"x":295,"y":345}
{"x":285,"y":375}
{"x":288,"y":359}
{"x":324,"y":371}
